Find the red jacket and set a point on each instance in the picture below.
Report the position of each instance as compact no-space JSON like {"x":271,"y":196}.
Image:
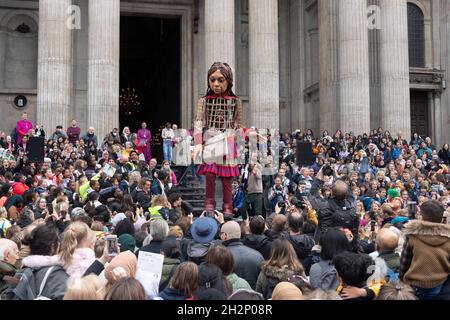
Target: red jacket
{"x":19,"y":188}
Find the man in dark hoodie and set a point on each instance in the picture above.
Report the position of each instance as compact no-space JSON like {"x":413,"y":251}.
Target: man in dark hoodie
{"x":257,"y":239}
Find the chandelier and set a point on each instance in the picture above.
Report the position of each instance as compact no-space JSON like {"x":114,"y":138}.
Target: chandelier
{"x":129,"y":101}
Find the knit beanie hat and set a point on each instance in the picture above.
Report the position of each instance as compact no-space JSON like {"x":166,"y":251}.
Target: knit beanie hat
{"x":127,"y":242}
{"x":286,"y":291}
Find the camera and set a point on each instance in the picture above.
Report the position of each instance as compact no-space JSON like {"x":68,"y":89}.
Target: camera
{"x":298,"y":203}
{"x":281,"y":204}
{"x":112,"y":245}
{"x":327,"y":170}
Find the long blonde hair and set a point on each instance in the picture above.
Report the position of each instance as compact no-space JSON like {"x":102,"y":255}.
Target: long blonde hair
{"x":161,"y":200}
{"x":74,"y":235}
{"x":84,"y":288}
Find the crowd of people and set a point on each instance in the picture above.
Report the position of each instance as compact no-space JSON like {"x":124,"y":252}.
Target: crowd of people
{"x":368,"y":219}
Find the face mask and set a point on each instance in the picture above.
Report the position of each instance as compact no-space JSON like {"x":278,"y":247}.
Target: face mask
{"x":166,"y":167}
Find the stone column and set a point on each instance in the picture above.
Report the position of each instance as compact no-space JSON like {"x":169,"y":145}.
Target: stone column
{"x":220,"y":33}
{"x":445,"y":54}
{"x":394,"y":68}
{"x":297,"y":81}
{"x":103,"y":73}
{"x":328,"y":64}
{"x":354,"y":67}
{"x":54,"y":65}
{"x":264,"y":64}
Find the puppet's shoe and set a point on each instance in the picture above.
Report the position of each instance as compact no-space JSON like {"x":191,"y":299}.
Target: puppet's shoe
{"x":228,"y":211}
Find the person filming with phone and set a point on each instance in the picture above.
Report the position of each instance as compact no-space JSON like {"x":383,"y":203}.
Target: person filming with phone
{"x":337,"y":211}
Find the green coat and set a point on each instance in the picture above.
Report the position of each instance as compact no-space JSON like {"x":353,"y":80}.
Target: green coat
{"x":168,"y":265}
{"x":6,"y":269}
{"x":238,"y":283}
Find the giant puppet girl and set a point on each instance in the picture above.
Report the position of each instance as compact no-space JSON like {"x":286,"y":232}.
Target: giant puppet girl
{"x":219,"y":113}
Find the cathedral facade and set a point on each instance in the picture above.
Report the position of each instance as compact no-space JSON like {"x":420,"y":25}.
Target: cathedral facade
{"x":354,"y":65}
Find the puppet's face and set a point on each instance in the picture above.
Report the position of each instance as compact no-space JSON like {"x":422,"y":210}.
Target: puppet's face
{"x":218,"y":83}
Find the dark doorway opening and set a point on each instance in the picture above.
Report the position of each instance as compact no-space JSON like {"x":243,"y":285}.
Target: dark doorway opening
{"x":150,"y":68}
{"x":419,"y":113}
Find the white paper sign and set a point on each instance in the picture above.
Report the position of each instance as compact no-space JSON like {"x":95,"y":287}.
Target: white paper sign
{"x":108,"y":170}
{"x":149,"y":270}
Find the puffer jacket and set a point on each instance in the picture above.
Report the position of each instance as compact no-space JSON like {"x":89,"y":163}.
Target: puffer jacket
{"x":168,"y":266}
{"x":30,"y":280}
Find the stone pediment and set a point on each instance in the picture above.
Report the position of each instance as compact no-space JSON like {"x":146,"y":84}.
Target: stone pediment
{"x":427,"y":79}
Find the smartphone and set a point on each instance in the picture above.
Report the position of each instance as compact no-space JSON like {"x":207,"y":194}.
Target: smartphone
{"x":50,"y":208}
{"x":209,"y":214}
{"x":112,"y":245}
{"x":372,"y":225}
{"x":412,"y":208}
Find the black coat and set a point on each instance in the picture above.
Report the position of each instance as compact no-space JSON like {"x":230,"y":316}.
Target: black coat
{"x":260,"y":243}
{"x":247,"y":262}
{"x":302,"y":245}
{"x":142,"y":197}
{"x":327,"y":210}
{"x":444,"y":155}
{"x":154,"y":247}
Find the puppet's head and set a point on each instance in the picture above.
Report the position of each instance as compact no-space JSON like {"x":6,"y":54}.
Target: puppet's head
{"x":220,"y":79}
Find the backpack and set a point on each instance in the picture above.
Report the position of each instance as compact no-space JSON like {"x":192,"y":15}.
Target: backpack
{"x":41,"y":288}
{"x":22,"y":289}
{"x":344,"y":217}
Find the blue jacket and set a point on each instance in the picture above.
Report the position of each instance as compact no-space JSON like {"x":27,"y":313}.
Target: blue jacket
{"x":172,"y":294}
{"x":396,"y":153}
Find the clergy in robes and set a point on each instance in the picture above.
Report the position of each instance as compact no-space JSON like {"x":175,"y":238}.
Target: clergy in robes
{"x":23,"y":127}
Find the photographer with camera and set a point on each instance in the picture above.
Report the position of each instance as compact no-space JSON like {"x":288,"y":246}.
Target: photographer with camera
{"x":277,"y":193}
{"x":337,"y":211}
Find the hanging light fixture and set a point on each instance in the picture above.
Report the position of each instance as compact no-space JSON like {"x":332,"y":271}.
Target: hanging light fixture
{"x":129,"y":101}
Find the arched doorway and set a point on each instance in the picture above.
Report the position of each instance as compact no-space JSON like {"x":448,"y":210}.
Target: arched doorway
{"x":150,"y":71}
